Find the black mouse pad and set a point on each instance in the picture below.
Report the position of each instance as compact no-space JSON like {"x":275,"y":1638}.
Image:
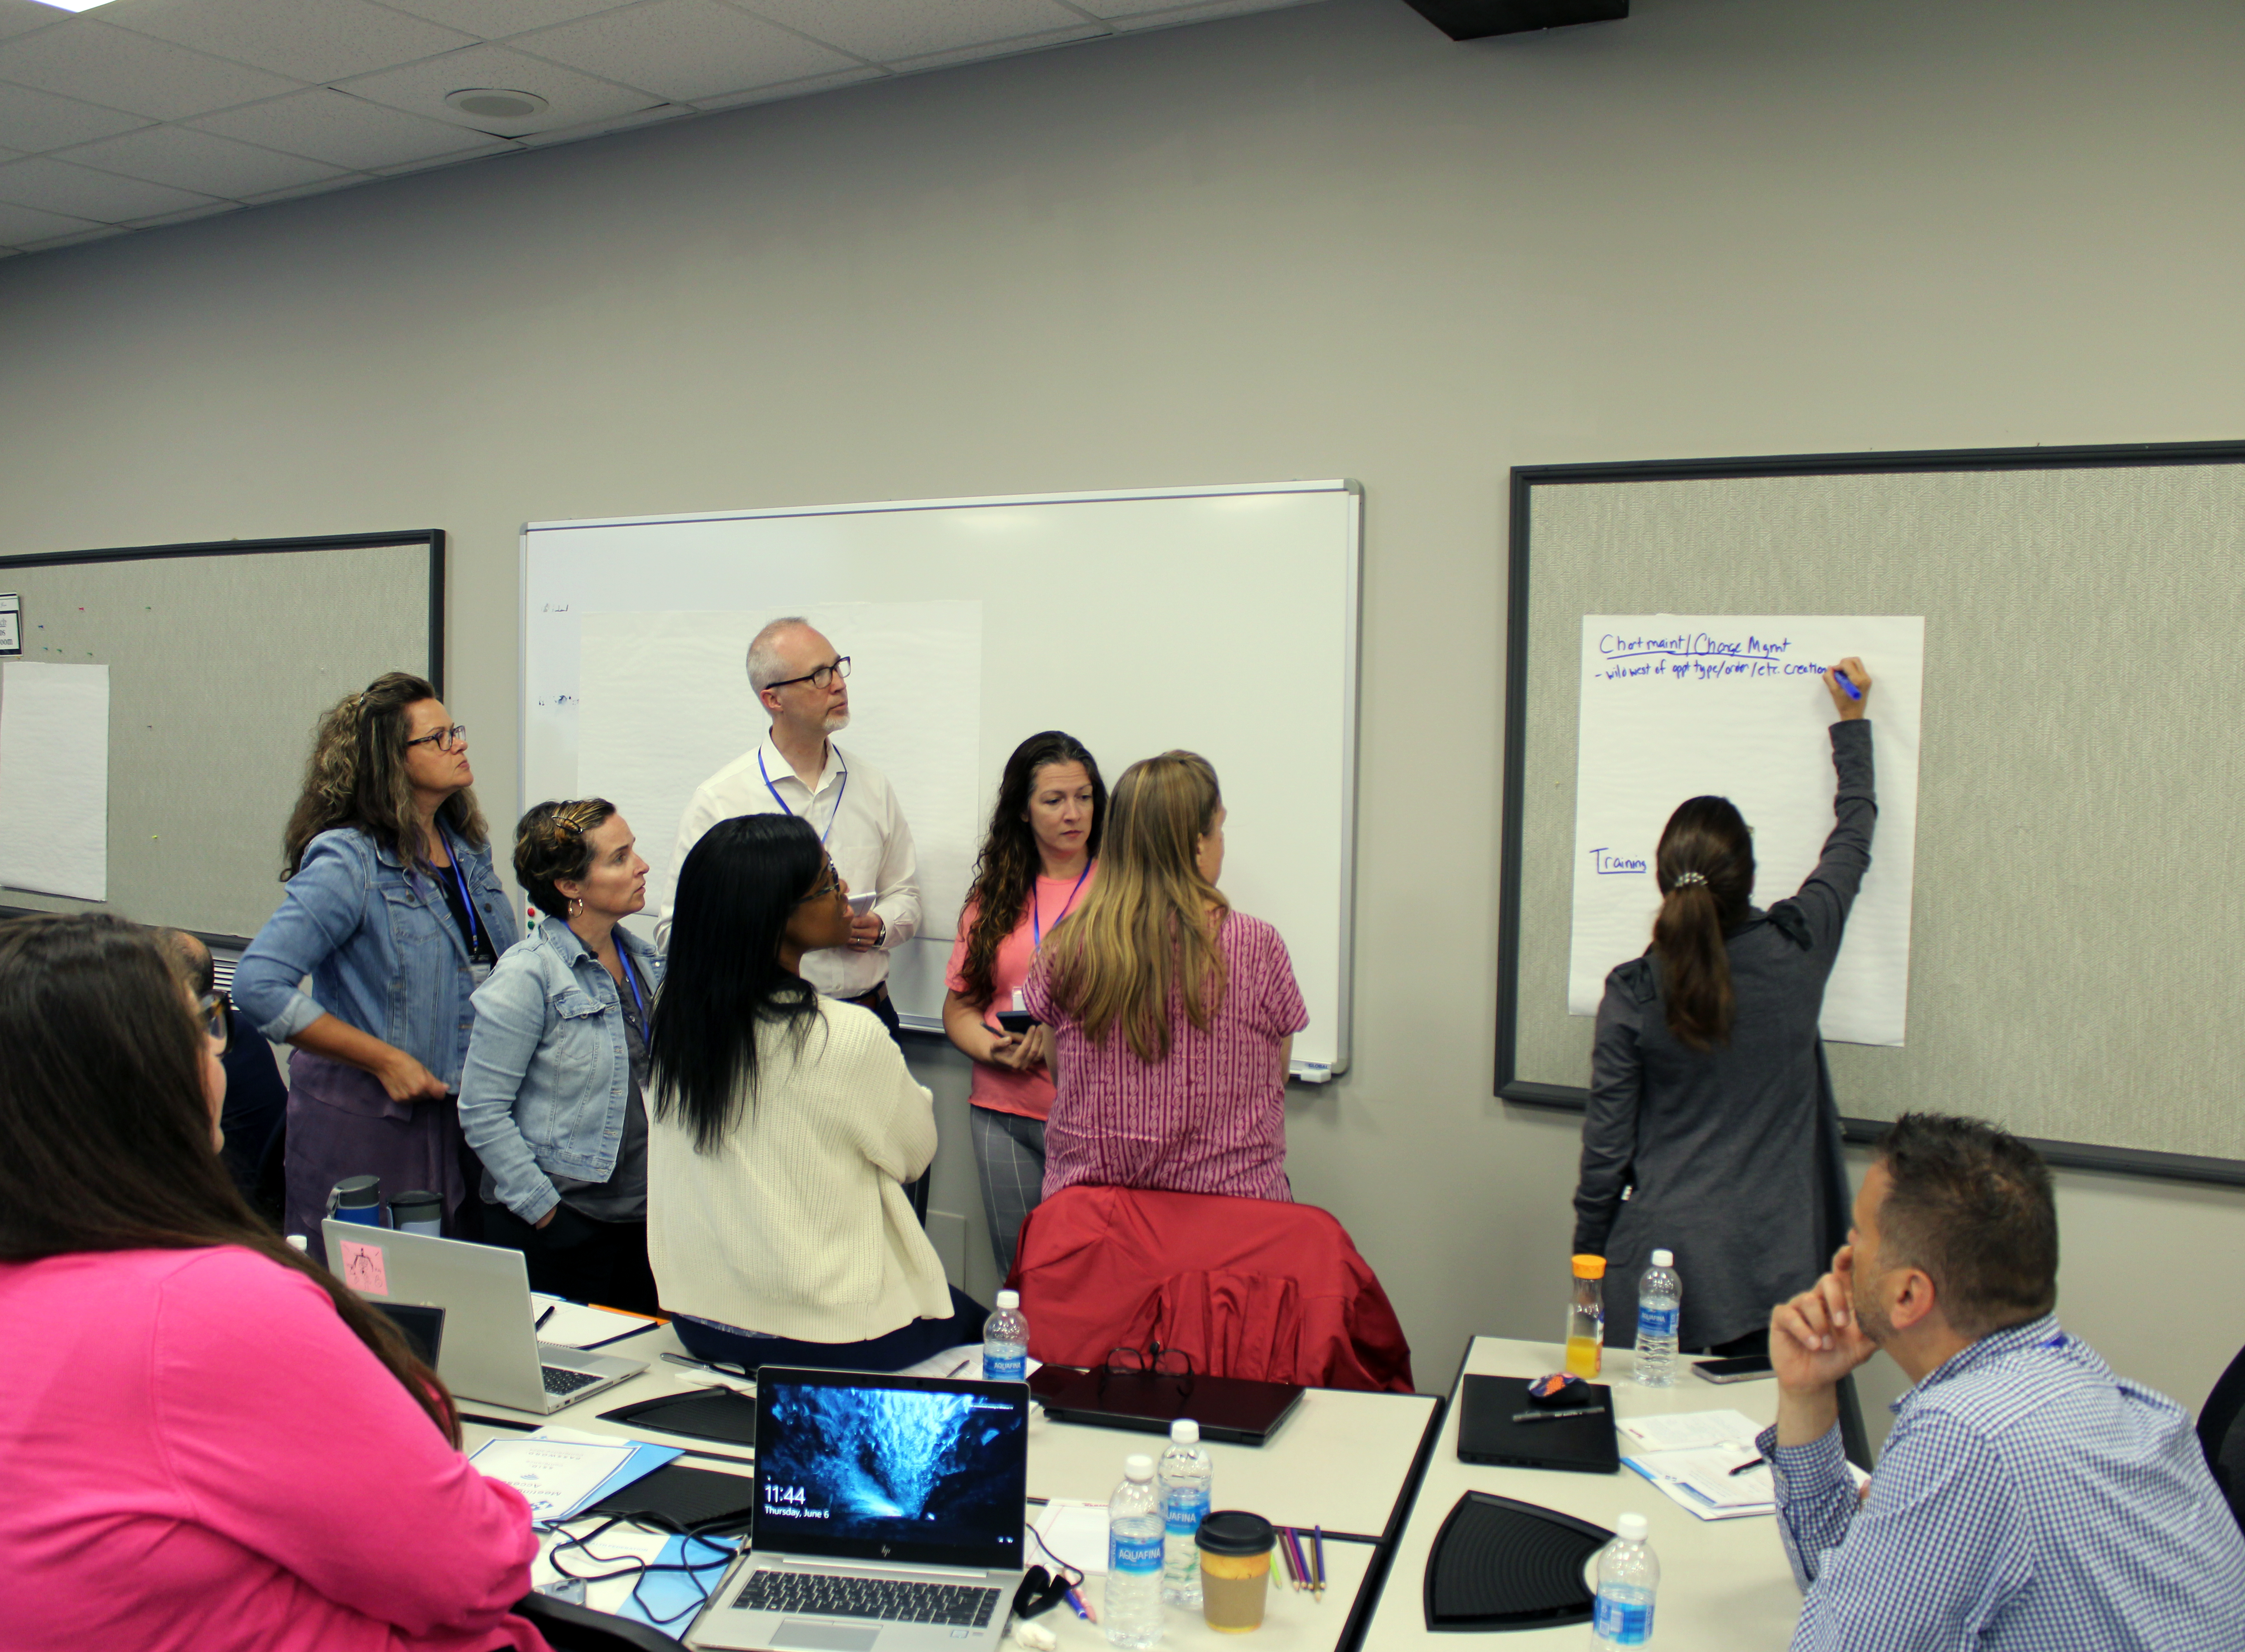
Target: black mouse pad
{"x":1497,"y":1564}
{"x":706,"y":1413}
{"x":683,"y":1496}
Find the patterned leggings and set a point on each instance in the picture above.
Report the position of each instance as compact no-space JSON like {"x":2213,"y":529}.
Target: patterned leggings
{"x":1009,"y":1156}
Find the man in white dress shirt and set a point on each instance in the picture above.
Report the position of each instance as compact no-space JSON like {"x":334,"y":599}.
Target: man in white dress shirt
{"x":802,"y":682}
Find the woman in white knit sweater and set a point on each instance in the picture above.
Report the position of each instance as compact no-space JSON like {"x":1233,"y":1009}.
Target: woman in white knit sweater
{"x":785,"y":1128}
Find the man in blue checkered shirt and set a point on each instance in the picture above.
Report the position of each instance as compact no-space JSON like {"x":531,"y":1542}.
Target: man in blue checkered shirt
{"x":2028,"y":1499}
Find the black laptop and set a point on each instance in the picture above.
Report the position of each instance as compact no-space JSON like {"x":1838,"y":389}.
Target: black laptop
{"x":1236,"y":1410}
{"x":1498,"y":1423}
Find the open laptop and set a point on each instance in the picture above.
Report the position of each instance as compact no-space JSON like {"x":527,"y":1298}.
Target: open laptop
{"x":889,"y":1516}
{"x":491,"y":1349}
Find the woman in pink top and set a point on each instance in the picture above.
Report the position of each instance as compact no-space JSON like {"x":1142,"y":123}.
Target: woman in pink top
{"x":208,"y":1443}
{"x":1035,"y":866}
{"x":1173,"y":1016}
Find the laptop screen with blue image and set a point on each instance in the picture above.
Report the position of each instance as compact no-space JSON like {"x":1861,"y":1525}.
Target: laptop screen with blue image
{"x":903,"y":1469}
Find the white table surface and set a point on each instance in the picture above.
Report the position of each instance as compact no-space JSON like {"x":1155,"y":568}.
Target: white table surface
{"x":1342,"y":1461}
{"x":1725,"y":1585}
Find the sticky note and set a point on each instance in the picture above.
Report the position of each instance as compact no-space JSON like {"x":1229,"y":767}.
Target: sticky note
{"x":363,"y":1268}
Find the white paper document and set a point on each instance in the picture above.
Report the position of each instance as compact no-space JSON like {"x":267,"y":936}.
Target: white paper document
{"x":574,"y":1325}
{"x":54,"y":779}
{"x":1687,"y":1431}
{"x":555,"y":1476}
{"x":1073,"y":1532}
{"x":1680,"y":706}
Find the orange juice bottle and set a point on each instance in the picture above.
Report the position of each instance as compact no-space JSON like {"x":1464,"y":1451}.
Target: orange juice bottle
{"x":1586,"y":1317}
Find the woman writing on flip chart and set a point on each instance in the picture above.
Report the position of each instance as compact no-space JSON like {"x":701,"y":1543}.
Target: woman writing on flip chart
{"x":1036,"y":862}
{"x":1173,"y":1016}
{"x":212,"y":1443}
{"x":552,"y":1098}
{"x":393,"y":909}
{"x":785,"y":1128}
{"x":1710,"y":1098}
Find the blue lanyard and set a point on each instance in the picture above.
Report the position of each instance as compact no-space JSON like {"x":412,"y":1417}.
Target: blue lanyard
{"x":467,"y":905}
{"x":839,"y":792}
{"x":1036,"y":907}
{"x":624,"y":958}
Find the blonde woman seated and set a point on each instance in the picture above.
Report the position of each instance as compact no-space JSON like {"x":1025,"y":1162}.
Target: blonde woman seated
{"x":1173,"y":1016}
{"x":785,"y":1128}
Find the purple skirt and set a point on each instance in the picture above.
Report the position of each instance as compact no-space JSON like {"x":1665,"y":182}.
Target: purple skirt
{"x":343,"y":1123}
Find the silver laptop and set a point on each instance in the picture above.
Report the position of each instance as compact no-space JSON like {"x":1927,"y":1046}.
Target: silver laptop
{"x":491,"y":1351}
{"x":889,"y":1516}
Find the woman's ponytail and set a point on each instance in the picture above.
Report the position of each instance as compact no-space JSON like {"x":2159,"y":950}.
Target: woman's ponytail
{"x":1705,"y":869}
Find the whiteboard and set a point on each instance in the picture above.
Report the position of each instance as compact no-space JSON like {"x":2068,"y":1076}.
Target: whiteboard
{"x":1222,"y":620}
{"x":1734,"y":706}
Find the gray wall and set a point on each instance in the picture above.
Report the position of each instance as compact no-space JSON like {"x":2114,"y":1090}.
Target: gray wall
{"x":1317,"y":242}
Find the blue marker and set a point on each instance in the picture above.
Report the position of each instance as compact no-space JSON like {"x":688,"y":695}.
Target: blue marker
{"x":1853,"y":692}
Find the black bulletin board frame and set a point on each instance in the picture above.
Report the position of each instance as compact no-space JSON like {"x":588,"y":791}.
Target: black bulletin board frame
{"x":434,"y":539}
{"x":1518,"y":1092}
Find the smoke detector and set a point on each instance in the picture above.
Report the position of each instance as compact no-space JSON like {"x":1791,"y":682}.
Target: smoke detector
{"x":496,"y":103}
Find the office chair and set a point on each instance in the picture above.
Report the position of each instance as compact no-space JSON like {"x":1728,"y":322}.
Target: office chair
{"x":578,"y":1629}
{"x":2221,"y":1433}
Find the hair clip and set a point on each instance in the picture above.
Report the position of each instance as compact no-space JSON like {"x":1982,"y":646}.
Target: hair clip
{"x":1685,"y":880}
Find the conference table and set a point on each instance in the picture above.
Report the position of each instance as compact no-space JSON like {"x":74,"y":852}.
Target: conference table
{"x":1725,"y":1585}
{"x":1344,"y":1461}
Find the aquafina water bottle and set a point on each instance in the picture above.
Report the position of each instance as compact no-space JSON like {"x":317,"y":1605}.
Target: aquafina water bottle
{"x":1659,"y":1305}
{"x":1188,"y":1480}
{"x":1133,"y":1616}
{"x":1005,"y":1342}
{"x":1628,"y":1576}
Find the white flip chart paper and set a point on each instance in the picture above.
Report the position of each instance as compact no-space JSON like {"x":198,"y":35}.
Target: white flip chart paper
{"x":1678,"y":705}
{"x":54,"y":779}
{"x":667,"y":704}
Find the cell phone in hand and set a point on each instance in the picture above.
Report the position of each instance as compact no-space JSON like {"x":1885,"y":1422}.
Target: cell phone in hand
{"x":1016,"y":1022}
{"x":1732,"y":1370}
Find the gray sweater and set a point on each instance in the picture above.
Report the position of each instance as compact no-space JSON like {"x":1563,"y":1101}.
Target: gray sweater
{"x":1731,"y":1155}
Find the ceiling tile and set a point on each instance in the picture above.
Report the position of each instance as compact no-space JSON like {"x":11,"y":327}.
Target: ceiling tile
{"x":684,"y":48}
{"x":621,"y":122}
{"x":21,"y":17}
{"x":494,"y":19}
{"x":192,"y":213}
{"x":575,"y":99}
{"x":100,"y":231}
{"x":1003,"y":48}
{"x":304,"y":39}
{"x":40,"y":120}
{"x":1124,"y":16}
{"x":789,"y":89}
{"x":20,"y":225}
{"x":453,"y":160}
{"x":884,"y":31}
{"x":301,"y":190}
{"x":342,"y":130}
{"x":81,"y":58}
{"x":57,"y":187}
{"x":186,"y":159}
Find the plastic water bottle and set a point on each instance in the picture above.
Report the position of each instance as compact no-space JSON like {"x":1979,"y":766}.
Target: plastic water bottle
{"x":1188,"y":1477}
{"x":1005,"y":1342}
{"x":1628,"y":1576}
{"x":1135,"y":1534}
{"x":1659,"y":1301}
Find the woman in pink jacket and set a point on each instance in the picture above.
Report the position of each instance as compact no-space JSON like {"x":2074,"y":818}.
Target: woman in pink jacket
{"x":208,"y":1443}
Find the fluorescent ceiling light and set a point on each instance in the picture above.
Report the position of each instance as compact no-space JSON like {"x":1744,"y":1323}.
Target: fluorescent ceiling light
{"x":73,"y":5}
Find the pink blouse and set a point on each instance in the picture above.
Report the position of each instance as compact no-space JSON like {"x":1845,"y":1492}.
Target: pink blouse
{"x":1002,"y":1089}
{"x":1208,"y":1118}
{"x":200,"y":1456}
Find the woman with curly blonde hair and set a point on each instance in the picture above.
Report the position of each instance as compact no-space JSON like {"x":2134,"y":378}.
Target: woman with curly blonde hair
{"x":393,"y":910}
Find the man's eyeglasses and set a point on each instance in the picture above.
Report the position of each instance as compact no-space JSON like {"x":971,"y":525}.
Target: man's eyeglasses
{"x":822,"y":678}
{"x":210,"y":1015}
{"x":443,"y":739}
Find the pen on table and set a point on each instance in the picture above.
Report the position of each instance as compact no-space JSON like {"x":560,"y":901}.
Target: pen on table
{"x":955,"y":1370}
{"x":543,"y":1317}
{"x":1751,"y":1462}
{"x":1553,"y":1416}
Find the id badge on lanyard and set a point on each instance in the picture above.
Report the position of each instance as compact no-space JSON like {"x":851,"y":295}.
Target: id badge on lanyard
{"x":479,"y":972}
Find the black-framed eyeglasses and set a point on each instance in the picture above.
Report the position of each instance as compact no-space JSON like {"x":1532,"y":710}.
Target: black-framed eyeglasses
{"x":443,"y":739}
{"x":822,"y":678}
{"x":827,"y":885}
{"x":210,"y":1014}
{"x":1153,"y":1360}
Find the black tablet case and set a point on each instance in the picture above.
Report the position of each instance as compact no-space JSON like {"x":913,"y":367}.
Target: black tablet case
{"x":1236,"y":1410}
{"x":703,"y":1413}
{"x":683,"y":1496}
{"x":1488,"y":1434}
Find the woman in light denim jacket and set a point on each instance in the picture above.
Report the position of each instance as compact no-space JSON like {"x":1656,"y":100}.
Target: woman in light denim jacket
{"x":393,"y":910}
{"x":553,"y":1098}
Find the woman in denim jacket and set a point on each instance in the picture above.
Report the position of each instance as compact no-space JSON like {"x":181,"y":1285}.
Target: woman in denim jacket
{"x":393,"y":909}
{"x":553,"y":1098}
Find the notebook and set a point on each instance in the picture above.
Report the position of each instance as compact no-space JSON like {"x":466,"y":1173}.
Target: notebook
{"x":1236,"y":1410}
{"x":1493,"y":1427}
{"x":889,"y":1516}
{"x":491,"y":1349}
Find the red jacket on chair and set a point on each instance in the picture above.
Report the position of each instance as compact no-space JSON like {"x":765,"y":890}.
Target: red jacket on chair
{"x":1248,"y":1287}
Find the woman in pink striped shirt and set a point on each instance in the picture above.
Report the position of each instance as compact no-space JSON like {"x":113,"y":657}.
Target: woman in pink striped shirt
{"x":1173,"y":1016}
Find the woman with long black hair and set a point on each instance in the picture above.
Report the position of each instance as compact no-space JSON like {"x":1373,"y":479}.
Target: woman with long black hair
{"x":210,"y":1442}
{"x":1040,"y":853}
{"x":1711,"y":1103}
{"x":785,"y":1128}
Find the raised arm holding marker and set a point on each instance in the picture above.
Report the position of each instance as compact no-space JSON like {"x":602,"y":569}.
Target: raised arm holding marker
{"x":1853,"y":692}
